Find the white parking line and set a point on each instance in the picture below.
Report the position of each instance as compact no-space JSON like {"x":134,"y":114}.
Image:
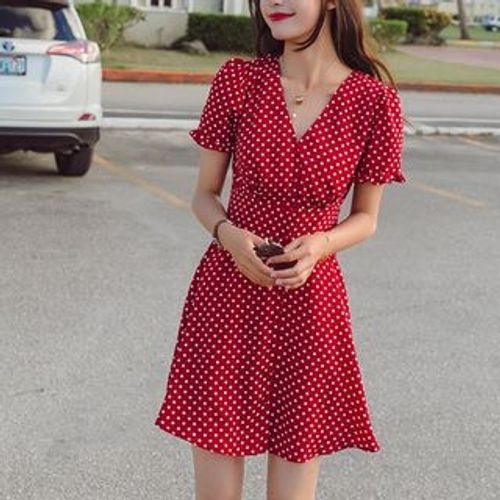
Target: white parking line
{"x":167,"y":123}
{"x":454,"y":119}
{"x":421,"y":129}
{"x":125,"y":111}
{"x":160,"y":123}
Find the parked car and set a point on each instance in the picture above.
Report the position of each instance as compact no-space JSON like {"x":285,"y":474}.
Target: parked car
{"x":491,"y":23}
{"x":50,"y":83}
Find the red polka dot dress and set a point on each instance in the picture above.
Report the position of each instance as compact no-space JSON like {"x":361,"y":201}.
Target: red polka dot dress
{"x":259,"y":370}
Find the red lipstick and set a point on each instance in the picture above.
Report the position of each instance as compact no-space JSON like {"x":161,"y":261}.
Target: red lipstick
{"x":278,"y":16}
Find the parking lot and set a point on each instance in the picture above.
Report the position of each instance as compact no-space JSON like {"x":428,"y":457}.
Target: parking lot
{"x":94,"y":271}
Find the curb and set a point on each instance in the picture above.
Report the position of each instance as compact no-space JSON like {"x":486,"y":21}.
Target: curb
{"x":147,"y":76}
{"x":449,"y":87}
{"x":491,"y":44}
{"x":137,"y":75}
{"x":185,"y":125}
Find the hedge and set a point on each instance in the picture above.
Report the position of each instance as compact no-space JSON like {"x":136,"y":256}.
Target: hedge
{"x":422,"y":22}
{"x":233,"y":33}
{"x":388,"y":32}
{"x":221,"y":32}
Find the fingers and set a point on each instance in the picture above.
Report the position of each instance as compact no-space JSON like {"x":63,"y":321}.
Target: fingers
{"x":258,"y":264}
{"x":295,"y":250}
{"x":256,"y":278}
{"x":287,"y":256}
{"x":295,"y":281}
{"x":295,"y":276}
{"x":303,"y":265}
{"x":254,"y":269}
{"x":294,"y":244}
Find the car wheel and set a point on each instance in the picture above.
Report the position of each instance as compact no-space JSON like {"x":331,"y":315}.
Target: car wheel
{"x":76,"y":163}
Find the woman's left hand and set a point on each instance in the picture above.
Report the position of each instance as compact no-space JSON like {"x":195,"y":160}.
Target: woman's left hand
{"x":307,"y":250}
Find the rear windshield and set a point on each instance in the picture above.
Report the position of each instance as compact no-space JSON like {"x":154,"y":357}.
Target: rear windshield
{"x":37,"y":23}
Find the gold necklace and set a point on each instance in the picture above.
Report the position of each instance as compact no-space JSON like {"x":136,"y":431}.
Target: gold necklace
{"x":299,"y":98}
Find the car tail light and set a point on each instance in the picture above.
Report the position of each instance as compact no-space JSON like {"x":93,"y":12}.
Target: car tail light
{"x":84,"y":51}
{"x":87,"y":117}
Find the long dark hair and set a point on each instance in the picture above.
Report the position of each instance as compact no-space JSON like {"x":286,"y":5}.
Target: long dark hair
{"x":349,"y":37}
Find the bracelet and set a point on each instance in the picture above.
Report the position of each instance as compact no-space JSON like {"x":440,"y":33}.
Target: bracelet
{"x":328,"y":239}
{"x":215,"y":232}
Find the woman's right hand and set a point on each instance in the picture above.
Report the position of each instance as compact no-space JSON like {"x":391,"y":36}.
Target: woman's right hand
{"x":240,"y":244}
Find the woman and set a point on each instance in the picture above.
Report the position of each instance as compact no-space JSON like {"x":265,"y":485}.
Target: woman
{"x":265,"y":359}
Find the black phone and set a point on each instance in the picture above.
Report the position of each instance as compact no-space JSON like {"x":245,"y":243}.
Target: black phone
{"x":270,"y":248}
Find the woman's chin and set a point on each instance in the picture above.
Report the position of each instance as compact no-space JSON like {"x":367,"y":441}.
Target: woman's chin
{"x":288,"y":35}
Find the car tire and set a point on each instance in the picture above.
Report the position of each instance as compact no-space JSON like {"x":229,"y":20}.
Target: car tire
{"x":76,"y":163}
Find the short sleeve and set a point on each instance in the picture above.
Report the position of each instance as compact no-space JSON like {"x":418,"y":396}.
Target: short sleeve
{"x":217,"y":126}
{"x":381,"y":159}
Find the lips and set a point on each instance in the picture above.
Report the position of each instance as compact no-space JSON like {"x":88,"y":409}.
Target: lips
{"x":279,"y":16}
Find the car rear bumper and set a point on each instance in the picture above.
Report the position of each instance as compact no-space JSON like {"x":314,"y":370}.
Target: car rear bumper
{"x":47,"y":139}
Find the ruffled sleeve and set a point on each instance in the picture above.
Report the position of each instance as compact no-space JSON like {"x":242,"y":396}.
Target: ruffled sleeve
{"x":381,"y":159}
{"x":217,"y":126}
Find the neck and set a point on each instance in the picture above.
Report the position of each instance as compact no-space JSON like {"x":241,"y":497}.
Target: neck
{"x":314,"y":67}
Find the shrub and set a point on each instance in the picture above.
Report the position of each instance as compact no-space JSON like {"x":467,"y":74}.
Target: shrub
{"x":221,"y":32}
{"x":423,"y":23}
{"x":387,"y":32}
{"x":106,"y":23}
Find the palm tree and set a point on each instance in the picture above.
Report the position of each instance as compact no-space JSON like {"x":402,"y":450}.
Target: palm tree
{"x":464,"y":32}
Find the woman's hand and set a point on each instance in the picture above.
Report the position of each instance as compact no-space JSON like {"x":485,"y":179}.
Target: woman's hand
{"x":308,"y":250}
{"x":240,"y":244}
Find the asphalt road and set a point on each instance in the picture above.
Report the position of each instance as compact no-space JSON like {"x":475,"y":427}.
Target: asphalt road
{"x":93,"y":275}
{"x":157,"y":101}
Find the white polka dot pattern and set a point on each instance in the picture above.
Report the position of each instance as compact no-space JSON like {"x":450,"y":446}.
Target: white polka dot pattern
{"x":381,"y":160}
{"x":258,"y":370}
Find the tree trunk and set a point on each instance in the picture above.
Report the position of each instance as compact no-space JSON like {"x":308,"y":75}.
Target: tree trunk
{"x":464,"y":32}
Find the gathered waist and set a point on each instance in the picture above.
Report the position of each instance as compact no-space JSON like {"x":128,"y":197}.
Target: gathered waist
{"x":281,"y":218}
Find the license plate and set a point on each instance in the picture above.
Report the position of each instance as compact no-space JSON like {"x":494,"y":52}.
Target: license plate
{"x":12,"y":65}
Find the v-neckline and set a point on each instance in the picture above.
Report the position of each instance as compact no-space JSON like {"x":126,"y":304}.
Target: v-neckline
{"x":323,"y":112}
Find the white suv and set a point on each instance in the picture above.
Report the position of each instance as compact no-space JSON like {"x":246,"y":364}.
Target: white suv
{"x":50,"y":83}
{"x":492,"y":23}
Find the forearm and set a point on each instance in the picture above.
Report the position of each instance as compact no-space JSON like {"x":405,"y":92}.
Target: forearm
{"x":354,"y":229}
{"x":208,"y":209}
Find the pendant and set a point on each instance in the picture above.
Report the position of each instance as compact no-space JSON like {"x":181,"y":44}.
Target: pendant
{"x":299,"y":99}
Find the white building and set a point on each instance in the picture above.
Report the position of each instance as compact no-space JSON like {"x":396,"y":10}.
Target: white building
{"x":238,"y":7}
{"x":166,"y":20}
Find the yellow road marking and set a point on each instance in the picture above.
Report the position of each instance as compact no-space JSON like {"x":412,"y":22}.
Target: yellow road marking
{"x":444,"y":192}
{"x":481,"y":144}
{"x":448,"y":194}
{"x":151,"y":187}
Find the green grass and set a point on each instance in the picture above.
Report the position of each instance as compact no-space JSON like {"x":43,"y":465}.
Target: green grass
{"x":405,"y":67}
{"x":162,"y":59}
{"x":476,"y":33}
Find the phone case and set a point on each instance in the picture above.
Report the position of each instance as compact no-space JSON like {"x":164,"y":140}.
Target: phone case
{"x":268,"y":250}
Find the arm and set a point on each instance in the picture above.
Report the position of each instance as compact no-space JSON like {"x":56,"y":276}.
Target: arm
{"x":361,"y":222}
{"x":206,"y":204}
{"x":208,"y":209}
